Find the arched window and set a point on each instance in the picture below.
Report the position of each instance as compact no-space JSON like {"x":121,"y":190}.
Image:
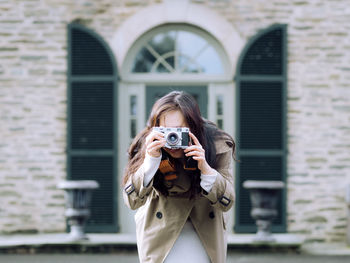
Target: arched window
{"x":180,"y":51}
{"x":180,"y":57}
{"x":177,"y":49}
{"x":261,"y":120}
{"x":91,"y":141}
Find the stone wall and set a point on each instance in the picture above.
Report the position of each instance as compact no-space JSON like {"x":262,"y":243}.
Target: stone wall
{"x":33,"y":103}
{"x":318,"y":105}
{"x":32,"y":113}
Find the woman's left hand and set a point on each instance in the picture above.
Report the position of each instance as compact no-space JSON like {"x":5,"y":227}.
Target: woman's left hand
{"x":198,"y":153}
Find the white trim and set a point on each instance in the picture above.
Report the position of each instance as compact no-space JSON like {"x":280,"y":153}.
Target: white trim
{"x":229,"y":112}
{"x":227,"y":90}
{"x":175,"y":78}
{"x":125,"y":90}
{"x":177,"y":12}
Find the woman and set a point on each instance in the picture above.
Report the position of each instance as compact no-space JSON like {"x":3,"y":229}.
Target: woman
{"x":180,"y":194}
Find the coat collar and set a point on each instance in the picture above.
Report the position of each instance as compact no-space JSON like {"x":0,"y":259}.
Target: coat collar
{"x":222,"y":146}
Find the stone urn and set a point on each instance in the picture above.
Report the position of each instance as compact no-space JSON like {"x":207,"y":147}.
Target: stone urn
{"x":78,"y":196}
{"x":264,"y":198}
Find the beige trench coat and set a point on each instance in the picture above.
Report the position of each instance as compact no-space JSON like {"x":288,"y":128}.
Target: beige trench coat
{"x":160,"y":219}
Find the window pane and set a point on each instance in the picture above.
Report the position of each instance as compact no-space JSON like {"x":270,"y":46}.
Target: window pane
{"x":143,"y":61}
{"x":133,"y":106}
{"x":132,"y":128}
{"x":189,"y":45}
{"x":187,"y":66}
{"x":210,"y":61}
{"x":220,"y":124}
{"x":162,"y":69}
{"x":171,"y":61}
{"x":163,"y":43}
{"x":219,"y":105}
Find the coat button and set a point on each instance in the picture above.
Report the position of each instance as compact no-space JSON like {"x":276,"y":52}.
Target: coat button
{"x":159,"y":215}
{"x":212,"y":215}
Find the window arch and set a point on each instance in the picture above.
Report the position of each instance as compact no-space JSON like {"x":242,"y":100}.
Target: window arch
{"x":91,"y":125}
{"x":261,"y":120}
{"x":177,"y":50}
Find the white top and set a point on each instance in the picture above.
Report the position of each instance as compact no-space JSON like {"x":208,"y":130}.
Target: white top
{"x":188,"y":247}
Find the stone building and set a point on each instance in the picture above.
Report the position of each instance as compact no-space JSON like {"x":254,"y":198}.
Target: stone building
{"x":77,"y":79}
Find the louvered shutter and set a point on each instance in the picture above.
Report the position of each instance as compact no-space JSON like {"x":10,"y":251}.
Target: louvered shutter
{"x":261,"y":121}
{"x":92,"y":146}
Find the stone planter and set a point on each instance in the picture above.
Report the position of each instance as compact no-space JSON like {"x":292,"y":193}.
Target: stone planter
{"x":264,"y":197}
{"x":78,"y":196}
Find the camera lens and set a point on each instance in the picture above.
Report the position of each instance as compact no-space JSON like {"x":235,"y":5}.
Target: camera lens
{"x":172,"y":138}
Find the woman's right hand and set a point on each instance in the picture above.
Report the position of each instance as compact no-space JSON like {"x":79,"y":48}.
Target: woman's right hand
{"x":154,"y":142}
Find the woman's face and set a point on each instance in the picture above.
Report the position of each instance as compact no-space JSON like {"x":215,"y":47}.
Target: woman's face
{"x":173,"y":119}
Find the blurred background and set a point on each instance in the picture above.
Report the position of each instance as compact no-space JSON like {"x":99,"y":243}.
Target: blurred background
{"x":78,"y":79}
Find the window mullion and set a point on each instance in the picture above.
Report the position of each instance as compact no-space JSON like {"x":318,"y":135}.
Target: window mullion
{"x":159,"y":58}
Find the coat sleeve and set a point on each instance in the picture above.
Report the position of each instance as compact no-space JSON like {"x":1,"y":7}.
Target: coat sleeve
{"x":134,"y":193}
{"x":222,"y":194}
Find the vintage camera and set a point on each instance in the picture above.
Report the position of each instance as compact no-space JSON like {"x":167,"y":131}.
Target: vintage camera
{"x":176,"y":138}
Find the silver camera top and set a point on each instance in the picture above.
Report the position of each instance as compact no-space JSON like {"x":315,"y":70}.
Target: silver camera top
{"x":176,"y":138}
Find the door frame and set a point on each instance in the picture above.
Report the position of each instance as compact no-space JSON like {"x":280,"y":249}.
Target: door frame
{"x":126,"y":90}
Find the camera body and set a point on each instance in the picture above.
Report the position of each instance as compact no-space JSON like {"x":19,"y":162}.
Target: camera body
{"x":176,"y":138}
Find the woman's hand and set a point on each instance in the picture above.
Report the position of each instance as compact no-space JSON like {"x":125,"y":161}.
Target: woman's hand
{"x":198,"y":153}
{"x":154,"y":142}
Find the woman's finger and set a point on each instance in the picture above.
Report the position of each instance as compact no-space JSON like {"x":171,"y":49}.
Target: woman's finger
{"x":194,"y":138}
{"x":154,"y":135}
{"x":157,"y":144}
{"x":193,"y":148}
{"x":195,"y":153}
{"x":153,"y":148}
{"x":198,"y":158}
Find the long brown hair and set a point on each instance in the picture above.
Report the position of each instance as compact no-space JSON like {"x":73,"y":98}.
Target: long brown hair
{"x":205,"y":131}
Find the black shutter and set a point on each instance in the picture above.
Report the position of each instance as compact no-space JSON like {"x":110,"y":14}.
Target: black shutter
{"x":261,"y":121}
{"x":92,"y":87}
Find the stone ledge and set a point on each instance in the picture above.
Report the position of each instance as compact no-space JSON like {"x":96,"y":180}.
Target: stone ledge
{"x":326,"y":249}
{"x":284,"y":243}
{"x":107,"y":243}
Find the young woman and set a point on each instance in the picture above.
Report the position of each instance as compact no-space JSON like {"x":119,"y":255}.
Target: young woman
{"x":180,"y":194}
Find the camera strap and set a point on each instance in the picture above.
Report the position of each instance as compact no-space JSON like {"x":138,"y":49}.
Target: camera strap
{"x":168,"y":170}
{"x":189,"y":168}
{"x":190,"y":164}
